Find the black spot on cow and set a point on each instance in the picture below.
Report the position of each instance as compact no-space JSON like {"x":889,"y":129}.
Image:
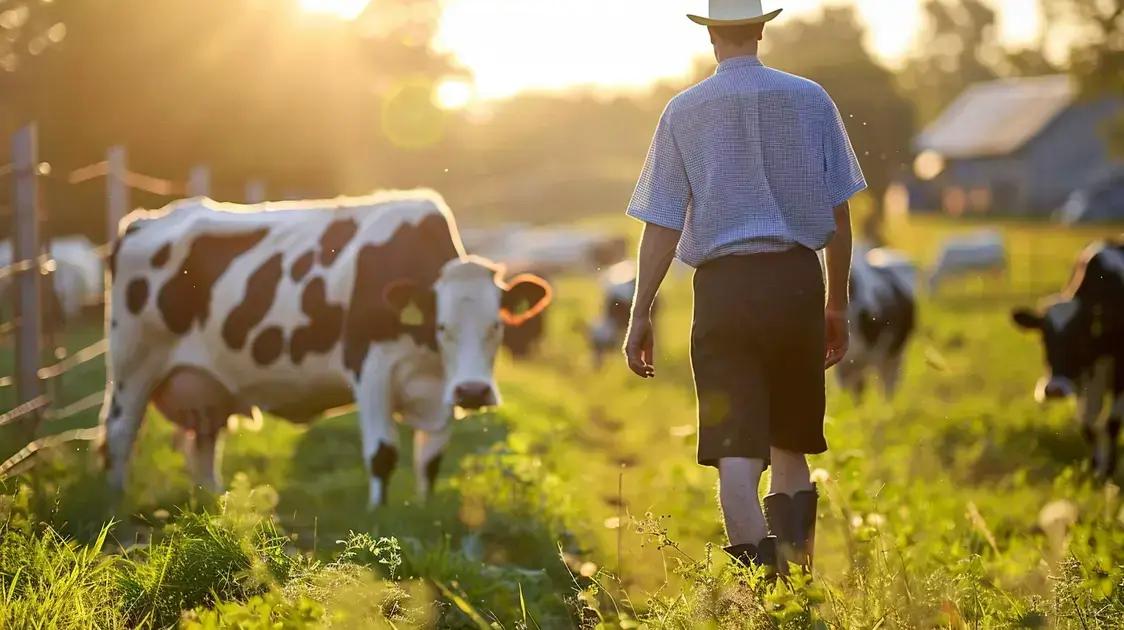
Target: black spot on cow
{"x":325,"y":324}
{"x":302,"y":265}
{"x":160,"y":258}
{"x":185,"y":299}
{"x":335,"y":238}
{"x":431,"y":470}
{"x":136,"y":295}
{"x":268,"y":345}
{"x":415,"y":253}
{"x":261,"y":289}
{"x":382,"y":466}
{"x":113,"y":323}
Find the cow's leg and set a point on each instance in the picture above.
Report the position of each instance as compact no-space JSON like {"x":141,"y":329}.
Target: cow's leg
{"x":431,"y":419}
{"x":849,"y":373}
{"x":429,"y":450}
{"x":1090,"y":405}
{"x":1115,"y":418}
{"x":376,"y":426}
{"x":205,"y":453}
{"x":183,"y":441}
{"x":122,"y":413}
{"x":890,"y":372}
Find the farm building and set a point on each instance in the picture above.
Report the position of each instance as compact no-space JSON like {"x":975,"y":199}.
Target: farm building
{"x":1016,"y":147}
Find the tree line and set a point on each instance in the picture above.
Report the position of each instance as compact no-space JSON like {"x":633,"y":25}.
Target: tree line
{"x":256,"y":89}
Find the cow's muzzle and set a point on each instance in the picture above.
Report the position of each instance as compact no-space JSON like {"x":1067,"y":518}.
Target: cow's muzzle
{"x":1054,"y":388}
{"x":474,"y":395}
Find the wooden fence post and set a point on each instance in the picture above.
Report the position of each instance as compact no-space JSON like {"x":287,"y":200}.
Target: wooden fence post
{"x":255,"y":191}
{"x":25,"y":208}
{"x":116,"y":190}
{"x":199,"y":181}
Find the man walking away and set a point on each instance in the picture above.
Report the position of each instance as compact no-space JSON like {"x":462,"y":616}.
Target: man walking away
{"x":749,"y":174}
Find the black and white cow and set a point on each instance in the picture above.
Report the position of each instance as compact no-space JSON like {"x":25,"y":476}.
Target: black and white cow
{"x":1083,"y":334}
{"x":301,"y":307}
{"x":882,"y":315}
{"x":618,"y":288}
{"x":77,"y":279}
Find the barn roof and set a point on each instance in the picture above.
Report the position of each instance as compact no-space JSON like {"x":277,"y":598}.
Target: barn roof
{"x":997,"y":118}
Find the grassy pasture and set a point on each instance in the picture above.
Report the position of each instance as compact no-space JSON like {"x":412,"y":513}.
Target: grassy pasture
{"x":960,"y":504}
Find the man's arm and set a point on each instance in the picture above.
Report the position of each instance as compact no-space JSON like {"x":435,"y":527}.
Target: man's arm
{"x":838,"y":257}
{"x":657,"y":250}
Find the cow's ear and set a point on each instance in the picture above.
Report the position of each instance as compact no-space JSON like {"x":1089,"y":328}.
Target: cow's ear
{"x":524,"y":298}
{"x":1026,"y":318}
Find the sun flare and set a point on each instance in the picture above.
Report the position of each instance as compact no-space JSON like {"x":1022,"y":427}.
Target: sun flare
{"x":342,"y":9}
{"x":454,"y":94}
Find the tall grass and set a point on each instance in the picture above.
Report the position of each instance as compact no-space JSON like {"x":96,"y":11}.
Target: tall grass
{"x":960,"y":504}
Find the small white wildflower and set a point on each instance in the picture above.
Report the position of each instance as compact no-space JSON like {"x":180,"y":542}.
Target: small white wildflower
{"x":588,"y":569}
{"x":1061,"y":513}
{"x":613,"y":522}
{"x":876,"y":520}
{"x":820,"y":475}
{"x":856,"y":521}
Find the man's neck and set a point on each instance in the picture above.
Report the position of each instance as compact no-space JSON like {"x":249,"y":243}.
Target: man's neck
{"x":733,"y":53}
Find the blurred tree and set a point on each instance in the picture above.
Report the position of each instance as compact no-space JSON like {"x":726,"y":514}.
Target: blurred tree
{"x":879,"y":118}
{"x":958,"y":47}
{"x":1094,"y":30}
{"x":29,"y":32}
{"x":254,"y":88}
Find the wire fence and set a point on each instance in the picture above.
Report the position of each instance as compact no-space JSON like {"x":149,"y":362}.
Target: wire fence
{"x":39,"y":407}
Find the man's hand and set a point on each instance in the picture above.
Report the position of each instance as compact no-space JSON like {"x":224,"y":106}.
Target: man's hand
{"x":837,"y":336}
{"x":639,"y":346}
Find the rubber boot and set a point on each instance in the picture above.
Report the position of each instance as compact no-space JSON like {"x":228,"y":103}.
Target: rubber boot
{"x":762,"y":554}
{"x":792,"y":519}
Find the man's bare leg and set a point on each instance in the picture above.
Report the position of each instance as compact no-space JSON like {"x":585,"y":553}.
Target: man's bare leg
{"x":790,"y":508}
{"x":738,"y":481}
{"x":790,"y":472}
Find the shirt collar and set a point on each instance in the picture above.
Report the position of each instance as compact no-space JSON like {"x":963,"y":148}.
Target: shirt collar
{"x":745,"y":61}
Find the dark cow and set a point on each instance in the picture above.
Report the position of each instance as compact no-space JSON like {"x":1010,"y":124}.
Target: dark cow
{"x":882,"y":315}
{"x":607,"y":334}
{"x":1083,"y":334}
{"x":217,"y":309}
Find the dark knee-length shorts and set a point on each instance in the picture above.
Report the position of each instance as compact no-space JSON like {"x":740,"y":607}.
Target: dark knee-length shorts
{"x":757,"y":352}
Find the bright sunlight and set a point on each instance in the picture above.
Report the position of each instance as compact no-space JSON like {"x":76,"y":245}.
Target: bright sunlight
{"x":342,"y":9}
{"x":453,"y":94}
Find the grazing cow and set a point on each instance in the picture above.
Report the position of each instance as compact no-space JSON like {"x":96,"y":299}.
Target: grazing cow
{"x":981,"y":252}
{"x":1083,"y":334}
{"x":78,"y":276}
{"x":298,"y":308}
{"x":607,"y":334}
{"x":882,"y":317}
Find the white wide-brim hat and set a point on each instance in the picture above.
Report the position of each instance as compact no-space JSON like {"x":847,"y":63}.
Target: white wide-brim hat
{"x":735,"y":13}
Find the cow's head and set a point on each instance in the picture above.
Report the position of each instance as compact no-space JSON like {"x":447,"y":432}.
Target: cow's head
{"x":1067,"y":334}
{"x":471,"y":304}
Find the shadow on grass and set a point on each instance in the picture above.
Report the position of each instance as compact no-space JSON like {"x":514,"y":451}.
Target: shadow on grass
{"x":324,"y":489}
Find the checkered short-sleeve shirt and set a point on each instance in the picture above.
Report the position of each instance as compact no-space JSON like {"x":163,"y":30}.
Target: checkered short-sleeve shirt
{"x":750,"y":160}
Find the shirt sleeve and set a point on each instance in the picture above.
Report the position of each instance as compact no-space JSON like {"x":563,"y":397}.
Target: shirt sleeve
{"x":843,"y":174}
{"x":663,"y":192}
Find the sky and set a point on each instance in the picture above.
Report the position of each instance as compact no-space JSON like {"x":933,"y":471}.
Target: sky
{"x":513,"y":46}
